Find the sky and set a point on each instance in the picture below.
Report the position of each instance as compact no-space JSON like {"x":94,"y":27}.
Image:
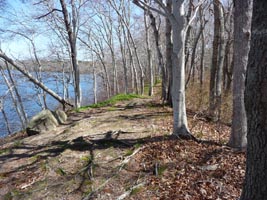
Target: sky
{"x":17,"y":47}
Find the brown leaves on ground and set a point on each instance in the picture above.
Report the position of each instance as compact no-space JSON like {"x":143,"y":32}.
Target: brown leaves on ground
{"x":123,"y":153}
{"x":181,"y":169}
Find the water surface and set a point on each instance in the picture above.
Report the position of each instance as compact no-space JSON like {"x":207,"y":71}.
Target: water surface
{"x":28,"y":92}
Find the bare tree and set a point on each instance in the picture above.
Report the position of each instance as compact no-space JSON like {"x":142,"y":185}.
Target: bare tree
{"x":168,"y":53}
{"x":176,"y":18}
{"x":242,"y":26}
{"x":198,"y":34}
{"x":156,"y":35}
{"x":14,"y":96}
{"x":131,"y":40}
{"x":149,"y":55}
{"x":72,"y":29}
{"x":5,"y":115}
{"x":217,"y":61}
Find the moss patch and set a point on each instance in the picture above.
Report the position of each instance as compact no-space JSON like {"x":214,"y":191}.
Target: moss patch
{"x":111,"y":101}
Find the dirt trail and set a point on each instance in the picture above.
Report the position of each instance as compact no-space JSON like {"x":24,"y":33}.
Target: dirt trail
{"x":123,"y":151}
{"x":88,"y":152}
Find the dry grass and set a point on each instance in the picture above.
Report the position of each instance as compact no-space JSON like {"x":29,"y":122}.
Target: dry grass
{"x":197,"y":100}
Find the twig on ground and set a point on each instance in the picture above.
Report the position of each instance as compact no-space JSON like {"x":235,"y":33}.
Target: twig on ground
{"x":128,"y":192}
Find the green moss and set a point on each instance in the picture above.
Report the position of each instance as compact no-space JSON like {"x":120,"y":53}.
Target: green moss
{"x":137,"y":145}
{"x":61,"y":172}
{"x":17,"y":143}
{"x":199,"y":134}
{"x":35,"y":157}
{"x":10,"y":195}
{"x":87,"y":159}
{"x":111,"y":108}
{"x":129,"y":152}
{"x":146,"y":89}
{"x":136,"y":190}
{"x":161,"y":169}
{"x":157,"y":81}
{"x":86,"y":193}
{"x":111,"y":101}
{"x":4,"y":151}
{"x":44,"y":166}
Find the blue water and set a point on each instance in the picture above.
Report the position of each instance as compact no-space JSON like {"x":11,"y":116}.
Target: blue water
{"x":28,"y":93}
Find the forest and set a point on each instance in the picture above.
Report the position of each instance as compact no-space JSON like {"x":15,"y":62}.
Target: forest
{"x":133,"y":99}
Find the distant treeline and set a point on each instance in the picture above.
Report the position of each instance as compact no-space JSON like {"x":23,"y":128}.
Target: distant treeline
{"x":53,"y":66}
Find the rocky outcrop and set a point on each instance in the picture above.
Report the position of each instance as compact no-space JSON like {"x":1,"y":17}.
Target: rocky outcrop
{"x":44,"y":121}
{"x":60,"y":115}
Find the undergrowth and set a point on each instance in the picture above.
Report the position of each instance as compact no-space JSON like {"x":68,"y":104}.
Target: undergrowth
{"x":113,"y":100}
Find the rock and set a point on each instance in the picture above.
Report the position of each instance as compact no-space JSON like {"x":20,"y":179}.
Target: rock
{"x":131,"y":105}
{"x":45,"y":121}
{"x":61,"y":116}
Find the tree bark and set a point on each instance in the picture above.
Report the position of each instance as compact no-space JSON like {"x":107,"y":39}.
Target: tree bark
{"x":149,"y":54}
{"x":221,"y":53}
{"x":20,"y":103}
{"x":168,"y":53}
{"x":214,"y":61}
{"x":72,"y":38}
{"x":202,"y":54}
{"x":180,"y":126}
{"x":255,"y":186}
{"x":242,"y":26}
{"x":22,"y":117}
{"x":194,"y":48}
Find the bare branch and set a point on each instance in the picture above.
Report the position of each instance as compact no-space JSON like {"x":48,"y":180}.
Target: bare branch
{"x":53,"y":10}
{"x":145,"y":6}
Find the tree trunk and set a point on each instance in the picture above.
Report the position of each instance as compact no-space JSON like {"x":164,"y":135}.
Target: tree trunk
{"x":242,"y":26}
{"x":202,"y":54}
{"x":255,"y":186}
{"x":72,"y":42}
{"x":123,"y":58}
{"x":168,"y":57}
{"x":23,"y":119}
{"x":95,"y":80}
{"x":188,"y":33}
{"x":214,"y":61}
{"x":221,"y":53}
{"x":160,"y":57}
{"x":180,"y":126}
{"x":192,"y":65}
{"x":20,"y":103}
{"x":6,"y":121}
{"x":149,"y":55}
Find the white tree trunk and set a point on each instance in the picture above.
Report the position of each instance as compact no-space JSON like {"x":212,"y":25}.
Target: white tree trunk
{"x":180,"y":126}
{"x":23,"y":119}
{"x":149,"y":55}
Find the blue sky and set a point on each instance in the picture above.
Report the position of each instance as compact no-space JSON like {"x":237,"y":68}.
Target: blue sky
{"x":9,"y":20}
